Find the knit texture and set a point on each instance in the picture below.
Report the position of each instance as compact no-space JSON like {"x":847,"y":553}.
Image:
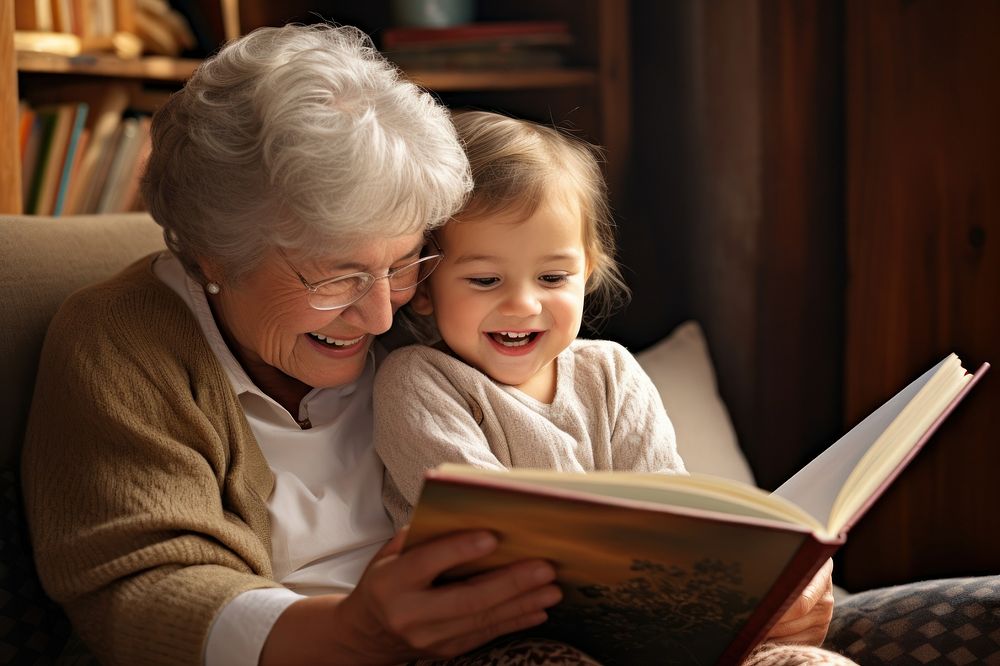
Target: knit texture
{"x":432,"y":408}
{"x":776,"y":654}
{"x":144,"y":488}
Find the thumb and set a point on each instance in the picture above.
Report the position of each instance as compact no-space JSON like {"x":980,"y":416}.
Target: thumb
{"x":392,"y":547}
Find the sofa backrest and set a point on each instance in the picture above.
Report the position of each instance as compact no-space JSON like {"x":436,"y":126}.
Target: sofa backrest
{"x":42,"y":261}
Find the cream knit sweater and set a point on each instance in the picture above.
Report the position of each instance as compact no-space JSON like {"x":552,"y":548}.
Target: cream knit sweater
{"x":144,"y":487}
{"x":432,"y":408}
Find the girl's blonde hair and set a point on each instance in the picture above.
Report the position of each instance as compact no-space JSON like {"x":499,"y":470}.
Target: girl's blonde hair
{"x":516,"y":164}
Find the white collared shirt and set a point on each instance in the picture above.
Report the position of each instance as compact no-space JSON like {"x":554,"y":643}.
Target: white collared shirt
{"x":327,"y":519}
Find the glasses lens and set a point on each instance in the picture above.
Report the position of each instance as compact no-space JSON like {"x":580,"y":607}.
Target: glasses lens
{"x":339,"y":293}
{"x":411,"y":275}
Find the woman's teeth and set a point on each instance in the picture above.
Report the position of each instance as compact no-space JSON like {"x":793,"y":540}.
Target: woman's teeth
{"x":511,"y":339}
{"x":334,"y":342}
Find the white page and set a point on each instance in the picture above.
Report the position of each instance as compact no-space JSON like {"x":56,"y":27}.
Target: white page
{"x":815,"y":486}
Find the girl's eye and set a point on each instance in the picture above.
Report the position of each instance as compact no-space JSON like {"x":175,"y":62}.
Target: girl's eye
{"x":553,"y":279}
{"x":484,"y":281}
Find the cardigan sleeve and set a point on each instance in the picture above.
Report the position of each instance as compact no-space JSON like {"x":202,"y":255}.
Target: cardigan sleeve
{"x":144,"y":490}
{"x":423,"y":419}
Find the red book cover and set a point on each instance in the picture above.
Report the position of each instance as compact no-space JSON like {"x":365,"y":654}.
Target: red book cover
{"x":474,"y":34}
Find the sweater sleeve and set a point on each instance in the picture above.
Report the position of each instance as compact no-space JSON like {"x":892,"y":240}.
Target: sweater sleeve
{"x":422,"y":419}
{"x":145,"y":518}
{"x":642,"y":438}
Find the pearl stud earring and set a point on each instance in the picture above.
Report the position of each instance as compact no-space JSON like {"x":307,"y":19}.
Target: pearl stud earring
{"x":213,"y":288}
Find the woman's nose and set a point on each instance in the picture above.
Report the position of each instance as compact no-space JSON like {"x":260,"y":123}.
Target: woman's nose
{"x":375,"y":309}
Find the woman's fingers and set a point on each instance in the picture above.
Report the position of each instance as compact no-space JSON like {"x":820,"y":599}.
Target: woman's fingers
{"x":497,"y":588}
{"x":426,"y":562}
{"x":466,"y":630}
{"x":435,"y":619}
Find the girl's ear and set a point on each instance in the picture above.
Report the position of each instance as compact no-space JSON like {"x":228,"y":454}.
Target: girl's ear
{"x":421,"y":302}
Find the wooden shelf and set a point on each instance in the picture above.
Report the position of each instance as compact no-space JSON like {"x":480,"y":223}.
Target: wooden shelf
{"x":180,"y":69}
{"x":153,"y":68}
{"x":516,"y":79}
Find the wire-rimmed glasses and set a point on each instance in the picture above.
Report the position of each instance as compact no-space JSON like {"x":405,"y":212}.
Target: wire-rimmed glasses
{"x":342,"y":291}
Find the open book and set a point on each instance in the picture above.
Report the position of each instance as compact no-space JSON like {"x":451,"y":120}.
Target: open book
{"x":674,"y":569}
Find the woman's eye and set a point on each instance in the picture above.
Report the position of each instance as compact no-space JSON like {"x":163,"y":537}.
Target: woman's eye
{"x":484,"y":281}
{"x":554,"y":279}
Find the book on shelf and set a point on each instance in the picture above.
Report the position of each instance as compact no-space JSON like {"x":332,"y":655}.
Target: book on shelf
{"x":479,"y":45}
{"x":30,"y":141}
{"x":495,"y":33}
{"x":33,"y":15}
{"x":63,"y":125}
{"x":85,"y":186}
{"x":47,"y":118}
{"x":77,"y":139}
{"x":121,"y":181}
{"x":678,"y":569}
{"x":82,"y":18}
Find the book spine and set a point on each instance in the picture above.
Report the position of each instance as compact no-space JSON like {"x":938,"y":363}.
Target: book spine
{"x":47,"y":123}
{"x":71,"y":159}
{"x":808,"y":559}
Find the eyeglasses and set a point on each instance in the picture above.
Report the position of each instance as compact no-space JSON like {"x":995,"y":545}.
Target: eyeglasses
{"x":340,"y":292}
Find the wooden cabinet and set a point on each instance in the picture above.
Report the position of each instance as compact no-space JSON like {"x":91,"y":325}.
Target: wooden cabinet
{"x":589,"y":94}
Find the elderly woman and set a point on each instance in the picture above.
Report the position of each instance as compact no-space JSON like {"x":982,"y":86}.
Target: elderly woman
{"x":198,"y":470}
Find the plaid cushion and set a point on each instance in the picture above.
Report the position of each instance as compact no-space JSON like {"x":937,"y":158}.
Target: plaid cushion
{"x":33,"y":629}
{"x":948,"y":621}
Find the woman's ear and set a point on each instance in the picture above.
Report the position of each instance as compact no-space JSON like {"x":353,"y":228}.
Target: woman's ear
{"x":210,"y":271}
{"x":421,"y":302}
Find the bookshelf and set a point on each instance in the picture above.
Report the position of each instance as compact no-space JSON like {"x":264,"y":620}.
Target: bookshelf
{"x":152,"y":68}
{"x":590,"y":94}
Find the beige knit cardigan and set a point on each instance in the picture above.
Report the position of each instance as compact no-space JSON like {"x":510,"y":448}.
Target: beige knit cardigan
{"x":144,"y":486}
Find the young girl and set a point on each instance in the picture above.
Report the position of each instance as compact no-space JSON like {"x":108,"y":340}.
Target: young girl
{"x":509,"y":384}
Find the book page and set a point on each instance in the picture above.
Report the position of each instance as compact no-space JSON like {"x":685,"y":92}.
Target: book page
{"x":815,"y":487}
{"x":696,"y":491}
{"x":899,"y":439}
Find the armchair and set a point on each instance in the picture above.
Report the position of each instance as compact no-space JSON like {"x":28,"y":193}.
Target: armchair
{"x":45,"y":259}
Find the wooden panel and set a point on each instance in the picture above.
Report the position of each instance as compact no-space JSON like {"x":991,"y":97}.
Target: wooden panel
{"x":800,"y":276}
{"x":10,"y":158}
{"x":616,"y":95}
{"x":739,"y":209}
{"x":924,"y":261}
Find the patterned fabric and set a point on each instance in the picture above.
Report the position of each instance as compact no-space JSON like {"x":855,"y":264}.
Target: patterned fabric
{"x":949,"y":621}
{"x":33,"y":630}
{"x":517,"y":652}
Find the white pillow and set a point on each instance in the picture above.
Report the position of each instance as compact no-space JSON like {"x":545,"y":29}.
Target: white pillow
{"x":681,"y":369}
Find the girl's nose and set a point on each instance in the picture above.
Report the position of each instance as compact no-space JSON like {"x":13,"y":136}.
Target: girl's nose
{"x":520,"y":302}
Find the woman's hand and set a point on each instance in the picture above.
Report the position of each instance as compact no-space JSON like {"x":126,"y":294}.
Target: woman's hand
{"x":807,"y":620}
{"x":395,"y":615}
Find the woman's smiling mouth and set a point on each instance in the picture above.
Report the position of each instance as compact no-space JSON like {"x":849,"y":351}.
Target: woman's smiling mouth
{"x":335,"y":342}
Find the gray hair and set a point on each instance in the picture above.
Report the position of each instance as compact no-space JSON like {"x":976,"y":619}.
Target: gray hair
{"x":299,"y":137}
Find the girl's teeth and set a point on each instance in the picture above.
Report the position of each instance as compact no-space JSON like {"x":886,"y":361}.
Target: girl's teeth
{"x":511,"y":339}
